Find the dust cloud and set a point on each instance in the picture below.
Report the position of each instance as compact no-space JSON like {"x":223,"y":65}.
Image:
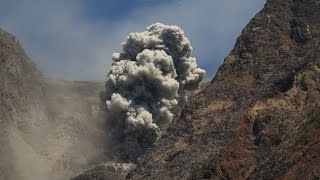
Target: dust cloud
{"x":60,"y":135}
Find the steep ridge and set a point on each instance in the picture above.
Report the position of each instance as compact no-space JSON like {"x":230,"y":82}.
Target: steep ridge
{"x":49,"y":129}
{"x":258,"y":118}
{"x":21,"y":82}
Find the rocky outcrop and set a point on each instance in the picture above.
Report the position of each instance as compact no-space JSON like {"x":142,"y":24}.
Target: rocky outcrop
{"x":254,"y":120}
{"x":109,"y":171}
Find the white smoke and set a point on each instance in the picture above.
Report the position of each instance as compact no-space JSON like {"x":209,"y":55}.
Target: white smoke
{"x":151,"y":76}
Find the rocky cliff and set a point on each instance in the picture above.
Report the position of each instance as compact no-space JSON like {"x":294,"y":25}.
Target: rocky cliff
{"x":259,"y":118}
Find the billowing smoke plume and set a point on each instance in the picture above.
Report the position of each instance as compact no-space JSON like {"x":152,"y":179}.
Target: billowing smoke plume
{"x":150,"y":77}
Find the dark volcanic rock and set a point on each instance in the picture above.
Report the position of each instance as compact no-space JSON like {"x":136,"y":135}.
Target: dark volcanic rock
{"x":250,"y":121}
{"x":110,"y":171}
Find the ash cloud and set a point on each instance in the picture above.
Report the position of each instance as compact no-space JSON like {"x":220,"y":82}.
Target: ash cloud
{"x":152,"y":75}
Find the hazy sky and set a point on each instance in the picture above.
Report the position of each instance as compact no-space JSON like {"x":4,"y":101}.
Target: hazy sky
{"x":74,"y":39}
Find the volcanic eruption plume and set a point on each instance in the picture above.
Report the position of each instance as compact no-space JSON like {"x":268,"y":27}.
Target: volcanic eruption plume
{"x":152,"y":75}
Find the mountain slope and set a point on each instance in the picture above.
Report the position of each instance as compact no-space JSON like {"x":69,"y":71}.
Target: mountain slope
{"x":21,"y":82}
{"x":49,"y":129}
{"x":247,"y":123}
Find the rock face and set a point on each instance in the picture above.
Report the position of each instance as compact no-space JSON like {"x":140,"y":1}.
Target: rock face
{"x":258,"y":118}
{"x":21,"y":83}
{"x":110,"y":171}
{"x":49,"y":129}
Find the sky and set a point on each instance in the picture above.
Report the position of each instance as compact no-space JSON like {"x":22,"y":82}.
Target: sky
{"x":74,"y":39}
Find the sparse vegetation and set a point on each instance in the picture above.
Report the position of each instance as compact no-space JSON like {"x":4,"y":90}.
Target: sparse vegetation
{"x":314,"y":177}
{"x":315,"y":118}
{"x":302,"y":137}
{"x":313,"y":122}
